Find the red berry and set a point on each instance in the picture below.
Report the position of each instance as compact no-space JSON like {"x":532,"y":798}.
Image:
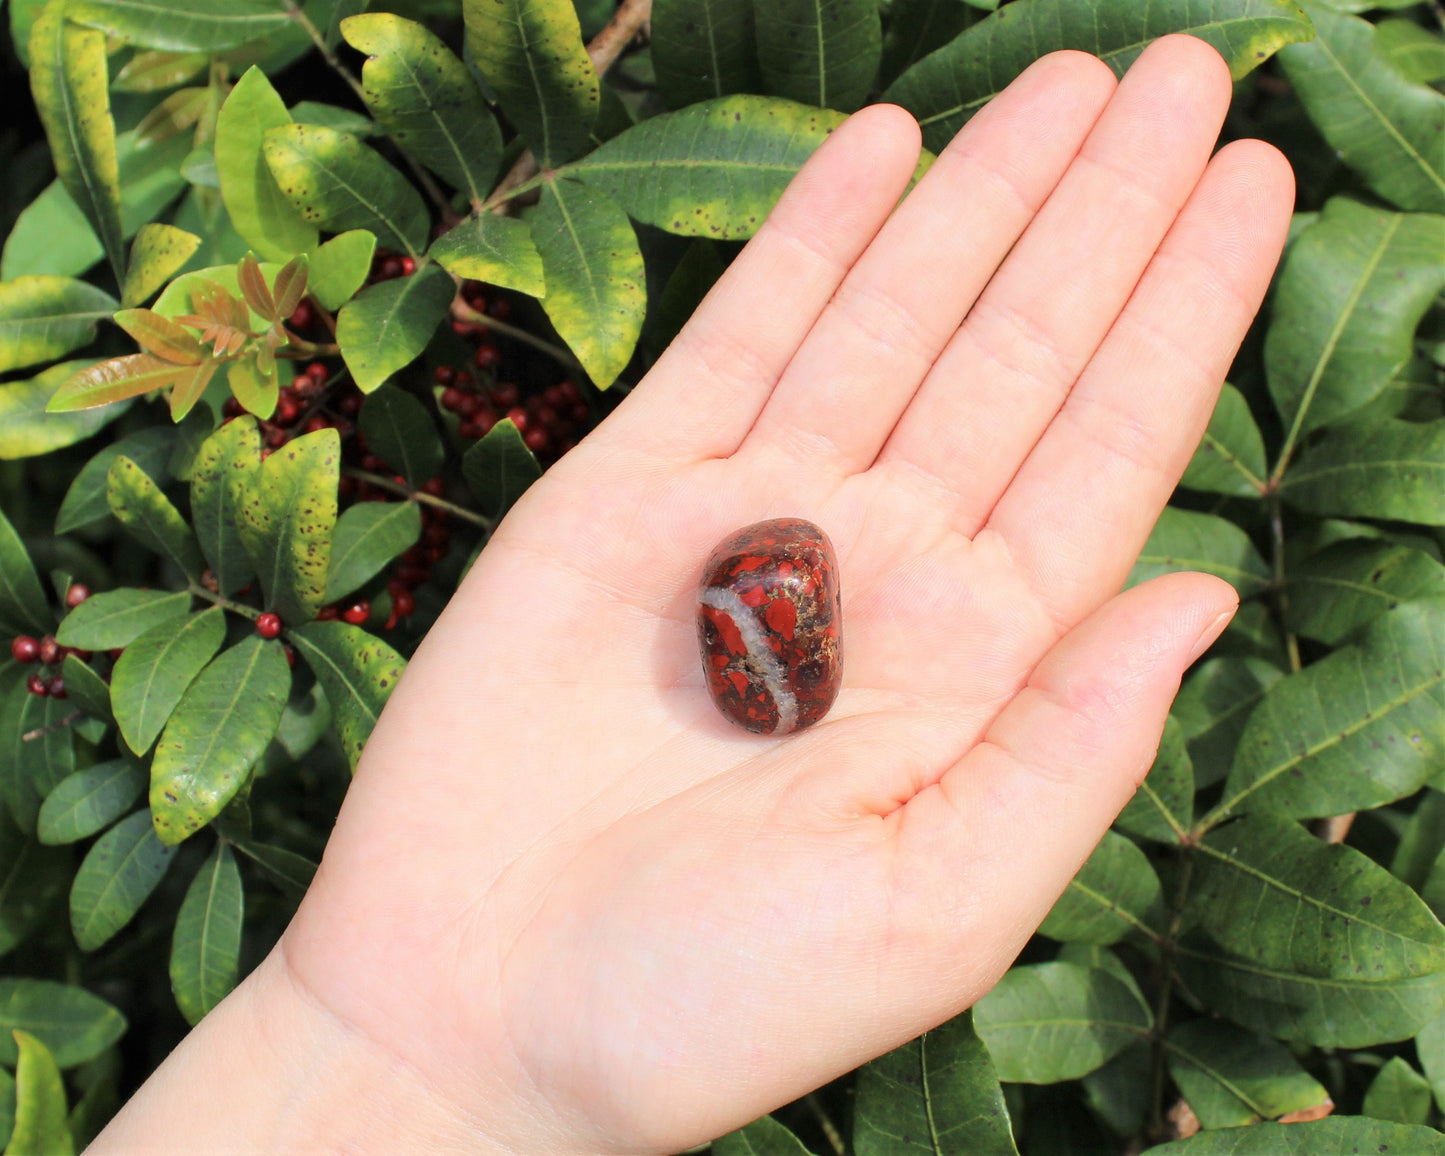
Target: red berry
{"x":357,"y":612}
{"x":453,"y":398}
{"x":411,"y":574}
{"x":554,"y":396}
{"x":579,"y":412}
{"x":505,"y":396}
{"x":570,"y":391}
{"x":372,"y":464}
{"x":484,"y":423}
{"x":434,"y":486}
{"x":327,"y":614}
{"x":395,"y":586}
{"x":301,"y":383}
{"x":500,"y":308}
{"x":51,"y":651}
{"x":77,"y":594}
{"x":56,"y":687}
{"x":471,"y":405}
{"x":471,"y":431}
{"x":392,"y":267}
{"x":115,"y":652}
{"x":487,"y":355}
{"x":546,"y":417}
{"x":232,"y":408}
{"x":37,"y":685}
{"x":25,"y":649}
{"x":536,"y":440}
{"x":268,"y":625}
{"x":518,"y":417}
{"x":290,"y":655}
{"x":408,"y":266}
{"x":435,"y":554}
{"x":315,"y":423}
{"x":350,"y":405}
{"x":444,"y":374}
{"x":287,"y":411}
{"x":303,"y":317}
{"x":318,"y":372}
{"x":403,"y":604}
{"x":436,"y":535}
{"x":275,"y":437}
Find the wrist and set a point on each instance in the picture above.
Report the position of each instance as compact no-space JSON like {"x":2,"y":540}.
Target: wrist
{"x":271,"y":1069}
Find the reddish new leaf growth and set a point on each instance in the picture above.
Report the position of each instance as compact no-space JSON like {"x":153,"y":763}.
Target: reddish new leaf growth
{"x":116,"y":380}
{"x":161,"y":336}
{"x":253,"y":287}
{"x":221,"y":316}
{"x":290,"y":286}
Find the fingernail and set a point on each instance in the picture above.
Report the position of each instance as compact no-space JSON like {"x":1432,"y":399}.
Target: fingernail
{"x":1210,"y":633}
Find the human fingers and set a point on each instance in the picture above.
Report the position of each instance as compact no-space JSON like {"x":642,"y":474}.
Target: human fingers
{"x":1082,"y":505}
{"x":1014,"y":360}
{"x":704,"y":393}
{"x":904,"y":298}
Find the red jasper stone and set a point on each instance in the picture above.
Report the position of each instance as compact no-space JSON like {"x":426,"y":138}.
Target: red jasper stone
{"x":769,"y":622}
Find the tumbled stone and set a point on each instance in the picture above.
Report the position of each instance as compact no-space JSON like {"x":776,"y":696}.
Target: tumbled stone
{"x":769,"y":621}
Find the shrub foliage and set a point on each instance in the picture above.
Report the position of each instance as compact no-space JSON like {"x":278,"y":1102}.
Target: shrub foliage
{"x":316,"y":291}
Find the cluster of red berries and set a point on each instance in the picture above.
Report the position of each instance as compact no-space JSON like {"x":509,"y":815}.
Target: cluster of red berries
{"x":387,"y":266}
{"x":547,"y":421}
{"x":303,"y":407}
{"x":49,"y":653}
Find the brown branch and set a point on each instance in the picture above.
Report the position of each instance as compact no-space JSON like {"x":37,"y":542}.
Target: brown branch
{"x":603,"y":50}
{"x":59,"y":724}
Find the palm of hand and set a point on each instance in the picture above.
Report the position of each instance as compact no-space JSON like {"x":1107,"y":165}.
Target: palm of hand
{"x":563,"y":887}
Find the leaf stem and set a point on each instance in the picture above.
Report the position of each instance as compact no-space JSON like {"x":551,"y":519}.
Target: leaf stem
{"x":464,"y":312}
{"x":825,"y":1122}
{"x":1161,"y":1003}
{"x":429,"y":186}
{"x":384,"y":483}
{"x":1281,"y":597}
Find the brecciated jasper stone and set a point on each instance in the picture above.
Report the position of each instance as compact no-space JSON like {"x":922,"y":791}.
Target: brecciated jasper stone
{"x":769,"y":621}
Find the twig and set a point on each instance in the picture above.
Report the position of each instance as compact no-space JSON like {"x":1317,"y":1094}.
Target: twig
{"x":385,"y":483}
{"x":830,"y":1130}
{"x":603,"y":50}
{"x":1166,"y":991}
{"x":59,"y":724}
{"x":1276,"y":537}
{"x":224,"y":603}
{"x":464,"y":312}
{"x":429,"y":186}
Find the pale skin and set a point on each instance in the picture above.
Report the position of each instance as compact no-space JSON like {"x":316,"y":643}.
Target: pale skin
{"x":567,"y":907}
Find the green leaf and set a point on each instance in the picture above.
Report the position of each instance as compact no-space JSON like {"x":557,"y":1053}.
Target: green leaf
{"x":141,"y":507}
{"x":947,"y":87}
{"x":499,"y":468}
{"x":215,"y":735}
{"x":1421,"y":841}
{"x":1115,"y":893}
{"x":1395,"y":469}
{"x":1430,"y":1047}
{"x":530,"y":53}
{"x":334,"y":116}
{"x":1213,"y":707}
{"x":1230,"y":458}
{"x":426,"y":100}
{"x":1186,"y":540}
{"x":1047,"y":1022}
{"x":1335,"y":592}
{"x":256,"y":389}
{"x":182,"y":25}
{"x":358,"y":672}
{"x":43,"y":318}
{"x":31,"y":877}
{"x":399,"y":430}
{"x":938,"y":1094}
{"x":335,"y":181}
{"x":1309,"y":748}
{"x":1354,"y":287}
{"x":89,"y":801}
{"x":1267,"y":891}
{"x":712,"y":170}
{"x":340,"y":267}
{"x":819,"y":52}
{"x":385,"y":327}
{"x":702,"y":49}
{"x":596,"y":285}
{"x":118,"y":379}
{"x":1232,"y":1077}
{"x":118,"y":617}
{"x":1163,"y":806}
{"x":915,"y":28}
{"x":31,"y":768}
{"x":1390,"y":131}
{"x":87,"y":689}
{"x":290,"y":872}
{"x":763,"y":1137}
{"x":224,"y":471}
{"x":497,"y":250}
{"x":26,"y":428}
{"x":1329,"y":1012}
{"x":152,"y":71}
{"x":286,"y":521}
{"x":304,"y":723}
{"x":85,"y":501}
{"x":1416,"y":53}
{"x":1336,"y":1136}
{"x":68,"y":81}
{"x":74,"y":1024}
{"x":206,"y":950}
{"x":156,"y":255}
{"x":23,"y":605}
{"x":155,"y":670}
{"x":119,"y":873}
{"x":258,"y":209}
{"x":368,"y":536}
{"x":1399,"y":1093}
{"x":41,"y":1128}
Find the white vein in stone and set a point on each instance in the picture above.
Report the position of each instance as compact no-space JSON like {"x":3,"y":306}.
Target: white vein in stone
{"x":760,"y":658}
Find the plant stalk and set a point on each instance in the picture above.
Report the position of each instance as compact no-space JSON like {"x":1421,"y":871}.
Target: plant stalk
{"x":384,"y":483}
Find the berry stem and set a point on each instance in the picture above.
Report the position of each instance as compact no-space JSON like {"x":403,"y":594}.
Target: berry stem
{"x":461,"y":311}
{"x":224,"y":603}
{"x":385,"y":483}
